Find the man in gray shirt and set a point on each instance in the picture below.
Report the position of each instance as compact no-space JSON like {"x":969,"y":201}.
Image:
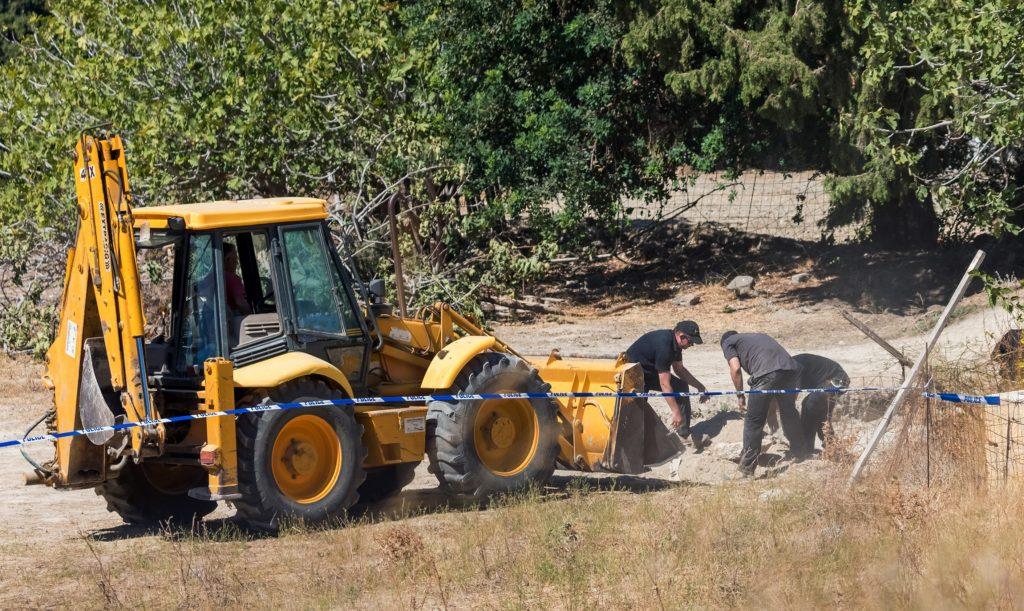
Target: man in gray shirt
{"x":768,"y":367}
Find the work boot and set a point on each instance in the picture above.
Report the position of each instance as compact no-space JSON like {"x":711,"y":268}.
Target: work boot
{"x":741,"y":474}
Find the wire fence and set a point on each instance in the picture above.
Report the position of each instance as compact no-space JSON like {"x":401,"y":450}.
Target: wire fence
{"x":1004,"y":442}
{"x":783,"y":204}
{"x":936,"y":443}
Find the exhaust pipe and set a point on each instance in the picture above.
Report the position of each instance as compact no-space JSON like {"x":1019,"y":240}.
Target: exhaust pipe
{"x":395,"y":253}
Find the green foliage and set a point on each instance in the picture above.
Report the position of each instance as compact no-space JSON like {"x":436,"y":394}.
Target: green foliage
{"x":215,"y":100}
{"x":1005,"y":293}
{"x":510,"y":131}
{"x":914,"y":105}
{"x":544,"y":117}
{"x":26,"y":326}
{"x":17,"y":18}
{"x":761,"y":80}
{"x":26,"y":317}
{"x":938,"y":116}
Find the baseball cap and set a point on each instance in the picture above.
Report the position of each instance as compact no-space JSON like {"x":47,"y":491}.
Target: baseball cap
{"x":691,"y":330}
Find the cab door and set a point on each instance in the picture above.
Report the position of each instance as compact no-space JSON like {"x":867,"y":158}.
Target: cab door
{"x":322,"y":317}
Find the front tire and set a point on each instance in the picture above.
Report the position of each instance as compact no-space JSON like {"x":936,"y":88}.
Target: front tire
{"x":150,"y":494}
{"x":478,"y":448}
{"x":304,"y":464}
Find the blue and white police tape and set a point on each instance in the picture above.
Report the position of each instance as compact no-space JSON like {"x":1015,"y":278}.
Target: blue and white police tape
{"x":953,"y":397}
{"x":269,"y":407}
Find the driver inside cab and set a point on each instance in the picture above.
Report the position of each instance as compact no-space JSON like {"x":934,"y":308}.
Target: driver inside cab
{"x":237,"y":300}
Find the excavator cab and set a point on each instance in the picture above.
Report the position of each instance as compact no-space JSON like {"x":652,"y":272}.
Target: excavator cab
{"x":261,"y":310}
{"x":247,"y":294}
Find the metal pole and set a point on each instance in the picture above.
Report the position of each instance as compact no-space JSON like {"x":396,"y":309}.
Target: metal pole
{"x":1006,"y":462}
{"x":928,"y":421}
{"x":395,"y":253}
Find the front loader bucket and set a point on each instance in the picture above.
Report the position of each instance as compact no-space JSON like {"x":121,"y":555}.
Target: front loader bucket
{"x":618,"y":435}
{"x":638,"y":438}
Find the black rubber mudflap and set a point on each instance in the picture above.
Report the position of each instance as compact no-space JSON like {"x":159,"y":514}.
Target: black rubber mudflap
{"x":641,"y":439}
{"x":95,"y":397}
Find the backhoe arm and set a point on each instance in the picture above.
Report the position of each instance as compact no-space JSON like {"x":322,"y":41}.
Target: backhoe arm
{"x":102,"y":298}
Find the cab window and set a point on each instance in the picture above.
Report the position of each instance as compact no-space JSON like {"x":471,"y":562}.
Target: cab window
{"x":198,"y":318}
{"x":314,"y":281}
{"x":249,"y":294}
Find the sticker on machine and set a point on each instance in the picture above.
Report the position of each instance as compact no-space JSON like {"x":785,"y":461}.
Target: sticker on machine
{"x":71,"y":339}
{"x":414,"y":425}
{"x":402,"y":335}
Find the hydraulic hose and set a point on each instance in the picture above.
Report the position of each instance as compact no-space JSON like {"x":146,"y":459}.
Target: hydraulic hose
{"x":41,"y":470}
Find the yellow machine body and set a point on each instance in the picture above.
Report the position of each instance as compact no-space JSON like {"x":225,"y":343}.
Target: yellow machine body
{"x":290,"y":366}
{"x":588,"y":442}
{"x":102,"y":297}
{"x":96,"y":369}
{"x":590,"y":427}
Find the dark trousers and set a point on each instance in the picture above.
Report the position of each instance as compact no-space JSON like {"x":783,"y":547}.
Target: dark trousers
{"x":653,"y":384}
{"x":757,"y":414}
{"x":816,"y":410}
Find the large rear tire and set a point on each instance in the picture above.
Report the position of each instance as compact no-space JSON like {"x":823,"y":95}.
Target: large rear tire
{"x":304,"y":464}
{"x":150,"y":494}
{"x":478,"y":448}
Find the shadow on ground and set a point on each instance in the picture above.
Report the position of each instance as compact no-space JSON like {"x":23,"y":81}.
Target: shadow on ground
{"x":714,"y":425}
{"x":865,"y":277}
{"x":408,"y":503}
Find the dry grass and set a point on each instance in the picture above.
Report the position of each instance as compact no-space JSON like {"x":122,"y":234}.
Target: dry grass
{"x":798,"y":541}
{"x":806,"y":543}
{"x":23,"y":395}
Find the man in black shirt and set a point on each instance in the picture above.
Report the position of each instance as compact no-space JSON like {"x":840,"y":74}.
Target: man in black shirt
{"x":816,"y":408}
{"x":659,"y":354}
{"x":769,"y":367}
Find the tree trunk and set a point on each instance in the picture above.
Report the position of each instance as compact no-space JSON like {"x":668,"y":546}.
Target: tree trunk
{"x":903,"y":219}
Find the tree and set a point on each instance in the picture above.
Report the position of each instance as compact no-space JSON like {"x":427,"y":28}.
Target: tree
{"x":545,"y":118}
{"x":760,"y":80}
{"x":912,"y":105}
{"x":939,"y":116}
{"x":216,"y":100}
{"x":16,"y":17}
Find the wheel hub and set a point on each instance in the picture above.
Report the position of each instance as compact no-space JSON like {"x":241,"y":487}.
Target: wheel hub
{"x":503,"y":432}
{"x":300,"y":458}
{"x":306,"y":459}
{"x":506,"y":434}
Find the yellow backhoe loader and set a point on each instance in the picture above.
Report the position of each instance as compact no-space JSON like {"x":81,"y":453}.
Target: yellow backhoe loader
{"x":264,"y":307}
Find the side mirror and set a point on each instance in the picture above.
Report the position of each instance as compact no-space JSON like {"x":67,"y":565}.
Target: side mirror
{"x":376,"y":290}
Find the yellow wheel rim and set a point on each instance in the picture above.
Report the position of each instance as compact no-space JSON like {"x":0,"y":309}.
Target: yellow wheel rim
{"x":506,"y":433}
{"x":306,"y":459}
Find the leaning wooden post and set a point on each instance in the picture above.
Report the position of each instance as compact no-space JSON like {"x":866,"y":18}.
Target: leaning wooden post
{"x":901,"y":394}
{"x":928,"y":418}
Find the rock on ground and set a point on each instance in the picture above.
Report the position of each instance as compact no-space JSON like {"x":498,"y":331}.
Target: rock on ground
{"x":742,"y":286}
{"x":687,"y":299}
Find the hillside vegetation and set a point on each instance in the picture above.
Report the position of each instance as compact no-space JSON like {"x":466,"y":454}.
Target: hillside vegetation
{"x":509,"y":132}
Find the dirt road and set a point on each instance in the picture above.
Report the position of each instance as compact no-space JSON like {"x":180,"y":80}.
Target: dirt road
{"x":31,"y":515}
